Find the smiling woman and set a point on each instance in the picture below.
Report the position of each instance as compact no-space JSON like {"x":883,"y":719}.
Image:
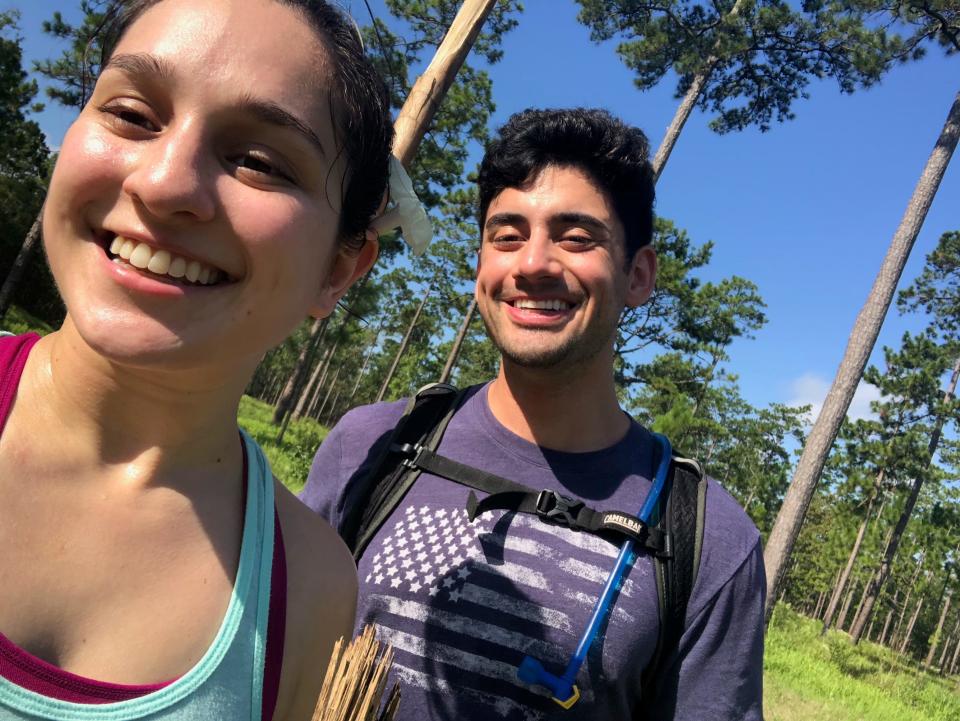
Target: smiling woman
{"x":217,"y":188}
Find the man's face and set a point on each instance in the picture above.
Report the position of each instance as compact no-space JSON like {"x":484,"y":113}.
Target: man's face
{"x":552,"y":277}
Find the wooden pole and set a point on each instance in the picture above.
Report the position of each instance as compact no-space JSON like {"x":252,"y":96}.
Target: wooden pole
{"x":430,"y":88}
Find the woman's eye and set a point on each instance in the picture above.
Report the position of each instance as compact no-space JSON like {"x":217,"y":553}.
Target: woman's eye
{"x":126,"y":116}
{"x":259,"y":166}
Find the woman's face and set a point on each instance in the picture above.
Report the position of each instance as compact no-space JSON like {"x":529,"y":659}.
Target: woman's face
{"x":192,"y":216}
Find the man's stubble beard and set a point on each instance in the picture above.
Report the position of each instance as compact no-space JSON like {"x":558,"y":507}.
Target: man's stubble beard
{"x":572,"y":352}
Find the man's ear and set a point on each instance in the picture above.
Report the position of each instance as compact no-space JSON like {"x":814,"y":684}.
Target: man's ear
{"x":641,"y":276}
{"x":346,"y":267}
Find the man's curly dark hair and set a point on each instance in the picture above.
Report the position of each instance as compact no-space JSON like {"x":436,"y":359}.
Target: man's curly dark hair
{"x":612,"y":153}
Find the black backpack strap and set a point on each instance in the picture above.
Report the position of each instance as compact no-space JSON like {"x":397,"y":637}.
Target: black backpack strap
{"x":548,"y":505}
{"x":422,"y":424}
{"x":682,"y":517}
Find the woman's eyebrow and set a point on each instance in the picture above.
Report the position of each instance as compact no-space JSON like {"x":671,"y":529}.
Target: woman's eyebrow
{"x":140,"y":64}
{"x":267,"y":111}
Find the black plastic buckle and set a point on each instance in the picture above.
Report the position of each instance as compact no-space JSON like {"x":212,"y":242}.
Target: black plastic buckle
{"x":556,"y":508}
{"x":409,"y":451}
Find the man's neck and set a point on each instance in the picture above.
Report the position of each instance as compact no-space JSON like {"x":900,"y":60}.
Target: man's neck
{"x":575,"y":411}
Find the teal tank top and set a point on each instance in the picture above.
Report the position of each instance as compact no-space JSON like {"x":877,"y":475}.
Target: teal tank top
{"x":227,"y":683}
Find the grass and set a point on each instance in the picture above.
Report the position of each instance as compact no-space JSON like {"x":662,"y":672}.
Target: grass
{"x":18,"y":321}
{"x":807,"y":676}
{"x":291,"y":459}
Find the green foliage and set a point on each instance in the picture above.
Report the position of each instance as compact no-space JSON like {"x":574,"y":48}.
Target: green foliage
{"x":291,"y":459}
{"x":807,"y":677}
{"x":24,"y":169}
{"x":760,"y":55}
{"x":74,"y":73}
{"x":18,"y":321}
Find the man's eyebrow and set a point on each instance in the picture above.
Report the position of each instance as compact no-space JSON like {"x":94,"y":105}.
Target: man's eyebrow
{"x":498,"y":219}
{"x":140,"y":64}
{"x":584,"y":219}
{"x":267,"y":111}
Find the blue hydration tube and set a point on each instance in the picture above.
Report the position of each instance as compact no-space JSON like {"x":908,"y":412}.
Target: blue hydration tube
{"x":531,"y":671}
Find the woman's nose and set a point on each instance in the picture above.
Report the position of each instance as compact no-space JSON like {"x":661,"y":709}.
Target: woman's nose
{"x":171,"y":176}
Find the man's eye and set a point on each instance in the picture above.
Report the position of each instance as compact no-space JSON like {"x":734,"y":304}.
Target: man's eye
{"x":506,"y":238}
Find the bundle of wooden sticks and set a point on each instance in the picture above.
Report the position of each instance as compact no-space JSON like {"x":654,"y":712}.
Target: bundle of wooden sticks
{"x":355,"y":681}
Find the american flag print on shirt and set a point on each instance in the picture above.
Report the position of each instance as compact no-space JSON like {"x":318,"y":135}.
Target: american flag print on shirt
{"x":462,"y":603}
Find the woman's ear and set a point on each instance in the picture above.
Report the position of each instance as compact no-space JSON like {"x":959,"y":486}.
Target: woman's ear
{"x":346,"y":267}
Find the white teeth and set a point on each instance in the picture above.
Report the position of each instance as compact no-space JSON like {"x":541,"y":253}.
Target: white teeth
{"x":541,"y":304}
{"x":162,"y":262}
{"x":159,"y":263}
{"x":178,"y":267}
{"x":140,"y":257}
{"x":193,"y":271}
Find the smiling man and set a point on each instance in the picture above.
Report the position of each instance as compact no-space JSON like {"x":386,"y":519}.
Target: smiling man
{"x":465,"y":596}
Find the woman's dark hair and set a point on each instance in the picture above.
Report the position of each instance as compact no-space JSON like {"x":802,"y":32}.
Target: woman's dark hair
{"x":611,"y":152}
{"x":358,"y":99}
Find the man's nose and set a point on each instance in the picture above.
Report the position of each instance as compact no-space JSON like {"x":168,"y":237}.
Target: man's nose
{"x":172,"y":175}
{"x":538,"y":257}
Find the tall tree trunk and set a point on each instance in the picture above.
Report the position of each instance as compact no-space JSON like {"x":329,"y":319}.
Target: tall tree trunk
{"x":862,"y":339}
{"x":947,"y":645}
{"x":688,"y":103}
{"x":310,"y":389}
{"x":20,"y":263}
{"x":936,"y":634}
{"x":884,"y":570}
{"x":820,"y":598}
{"x":304,"y":360}
{"x":366,"y":361}
{"x":852,"y":558}
{"x":906,"y":602}
{"x":956,"y":658}
{"x":403,"y":346}
{"x":846,"y":605}
{"x":326,"y":397}
{"x":909,"y":633}
{"x":886,"y":626}
{"x":454,"y":353}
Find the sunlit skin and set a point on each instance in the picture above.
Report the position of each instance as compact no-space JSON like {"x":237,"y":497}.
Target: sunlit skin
{"x":124,"y":428}
{"x":558,"y":239}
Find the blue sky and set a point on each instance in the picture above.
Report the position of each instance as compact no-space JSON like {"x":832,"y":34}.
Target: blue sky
{"x":806,"y":211}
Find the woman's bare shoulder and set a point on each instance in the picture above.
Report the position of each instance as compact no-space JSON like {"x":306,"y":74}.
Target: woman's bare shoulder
{"x":321,"y":603}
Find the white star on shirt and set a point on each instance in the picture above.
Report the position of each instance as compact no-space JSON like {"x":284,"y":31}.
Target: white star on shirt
{"x":395,"y":583}
{"x":455,"y":595}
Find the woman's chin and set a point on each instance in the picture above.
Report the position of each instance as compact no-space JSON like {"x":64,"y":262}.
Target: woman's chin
{"x":139,"y":341}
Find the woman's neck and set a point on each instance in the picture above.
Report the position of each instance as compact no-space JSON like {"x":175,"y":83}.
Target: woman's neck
{"x":140,"y":423}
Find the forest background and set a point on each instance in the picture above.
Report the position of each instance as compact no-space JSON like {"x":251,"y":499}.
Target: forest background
{"x":771,"y":236}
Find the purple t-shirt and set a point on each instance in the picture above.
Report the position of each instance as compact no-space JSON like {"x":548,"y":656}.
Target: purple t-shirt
{"x":462,"y":603}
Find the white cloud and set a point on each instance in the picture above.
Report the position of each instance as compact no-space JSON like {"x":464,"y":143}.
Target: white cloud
{"x":812,"y":389}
